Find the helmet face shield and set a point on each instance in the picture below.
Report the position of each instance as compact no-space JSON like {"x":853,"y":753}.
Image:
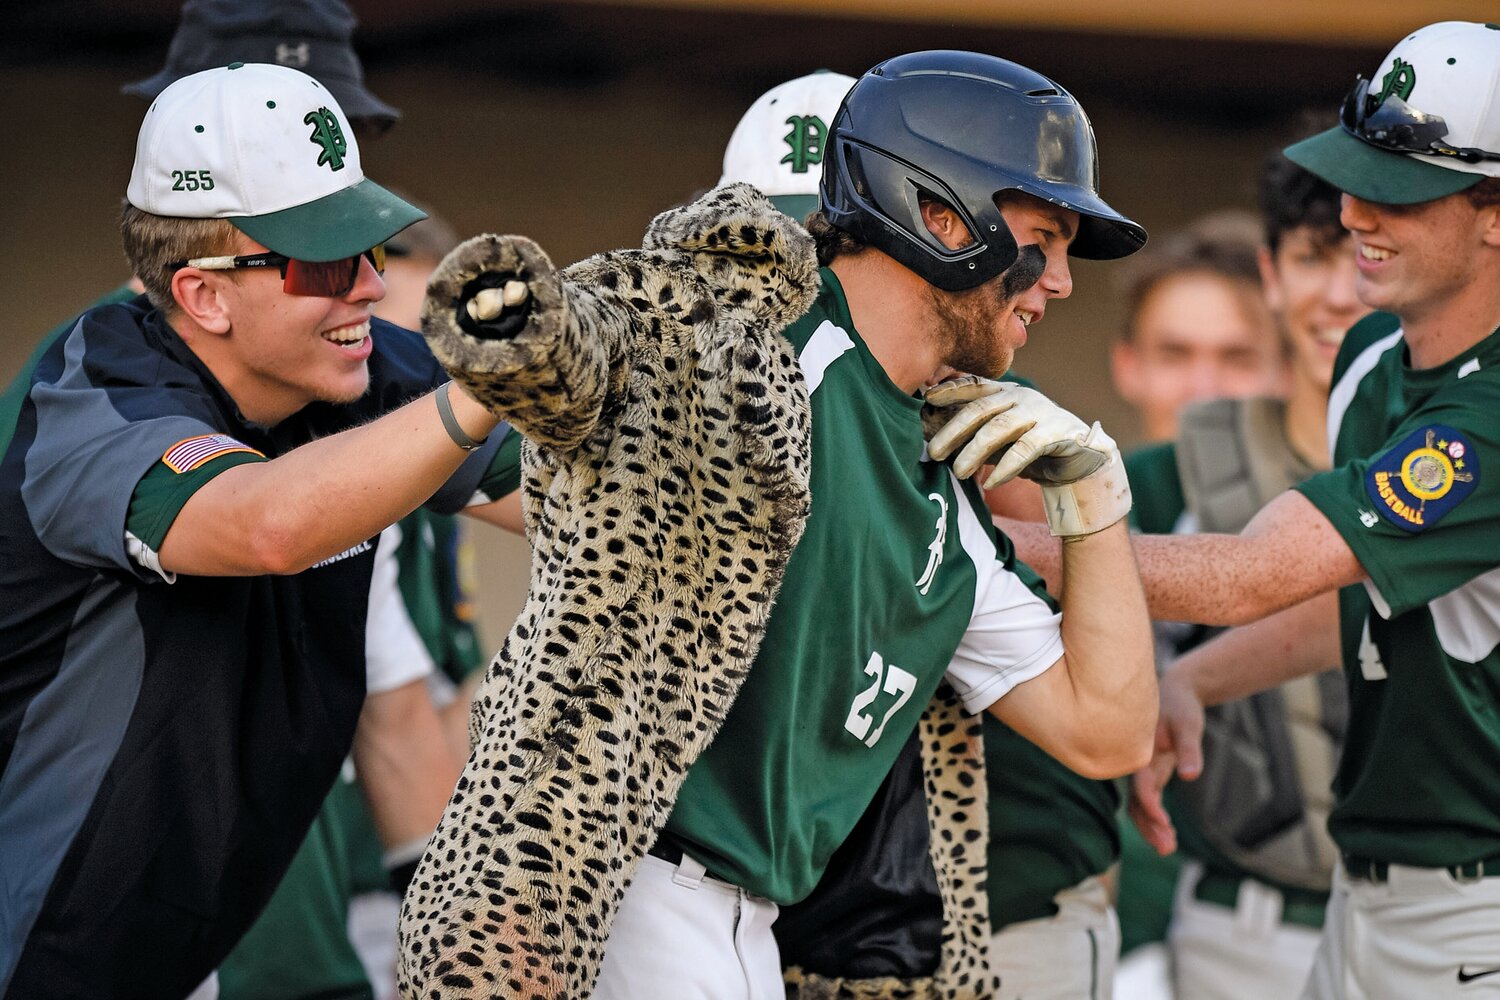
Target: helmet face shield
{"x":965,"y":127}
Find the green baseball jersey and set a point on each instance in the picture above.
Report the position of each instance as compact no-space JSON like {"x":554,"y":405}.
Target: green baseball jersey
{"x":1050,"y":828}
{"x":1420,"y":775}
{"x":899,"y":578}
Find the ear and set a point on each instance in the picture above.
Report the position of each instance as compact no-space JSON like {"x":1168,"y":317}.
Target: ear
{"x":199,"y":294}
{"x":1489,"y":219}
{"x":945,"y":224}
{"x":1270,"y":281}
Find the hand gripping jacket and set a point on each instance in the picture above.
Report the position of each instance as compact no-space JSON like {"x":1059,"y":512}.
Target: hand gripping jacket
{"x":665,"y":483}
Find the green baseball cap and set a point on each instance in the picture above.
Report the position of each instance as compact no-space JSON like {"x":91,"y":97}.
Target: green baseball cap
{"x":268,"y":149}
{"x":1428,"y":129}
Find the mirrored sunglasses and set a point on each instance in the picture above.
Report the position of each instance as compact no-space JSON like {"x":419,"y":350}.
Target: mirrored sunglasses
{"x":325,"y":278}
{"x":1397,"y":126}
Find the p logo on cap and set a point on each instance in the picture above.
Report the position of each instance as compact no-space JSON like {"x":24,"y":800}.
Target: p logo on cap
{"x":778,"y":145}
{"x":269,"y":149}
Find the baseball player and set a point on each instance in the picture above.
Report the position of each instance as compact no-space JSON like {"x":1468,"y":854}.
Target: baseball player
{"x":779,"y":146}
{"x":923,"y":273}
{"x":840,"y":676}
{"x":1250,"y":902}
{"x":188,"y":574}
{"x":1403,"y":523}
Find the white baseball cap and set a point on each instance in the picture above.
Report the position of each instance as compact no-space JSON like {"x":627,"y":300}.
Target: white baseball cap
{"x":778,"y":145}
{"x":269,"y":149}
{"x":1427,"y":125}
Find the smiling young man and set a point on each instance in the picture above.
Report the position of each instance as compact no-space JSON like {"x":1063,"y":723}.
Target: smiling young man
{"x":1403,"y":527}
{"x":189,"y":501}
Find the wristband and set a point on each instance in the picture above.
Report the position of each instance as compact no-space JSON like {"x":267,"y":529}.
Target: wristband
{"x":450,"y":422}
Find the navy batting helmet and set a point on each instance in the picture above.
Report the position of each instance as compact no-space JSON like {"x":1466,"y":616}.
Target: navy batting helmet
{"x":963,"y":127}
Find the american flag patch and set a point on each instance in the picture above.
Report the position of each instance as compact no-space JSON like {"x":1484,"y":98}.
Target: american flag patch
{"x":188,"y":454}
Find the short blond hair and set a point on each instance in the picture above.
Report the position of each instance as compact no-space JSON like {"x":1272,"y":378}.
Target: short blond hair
{"x":152,"y":242}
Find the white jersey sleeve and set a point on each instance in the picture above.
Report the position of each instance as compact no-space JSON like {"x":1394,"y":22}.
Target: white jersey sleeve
{"x":394,"y":652}
{"x":1015,"y":633}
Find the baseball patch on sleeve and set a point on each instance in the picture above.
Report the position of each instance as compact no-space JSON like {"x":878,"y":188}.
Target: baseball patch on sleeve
{"x":1428,"y":473}
{"x":189,"y":453}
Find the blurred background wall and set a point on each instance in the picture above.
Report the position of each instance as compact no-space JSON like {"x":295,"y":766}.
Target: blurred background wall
{"x":574,"y":123}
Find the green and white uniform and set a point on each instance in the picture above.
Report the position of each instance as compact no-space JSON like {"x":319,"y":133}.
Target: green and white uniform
{"x":899,"y":578}
{"x":1417,"y":810}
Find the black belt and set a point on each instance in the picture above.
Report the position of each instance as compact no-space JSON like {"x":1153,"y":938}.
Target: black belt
{"x":669,"y":850}
{"x":1370,"y":870}
{"x":1303,"y":907}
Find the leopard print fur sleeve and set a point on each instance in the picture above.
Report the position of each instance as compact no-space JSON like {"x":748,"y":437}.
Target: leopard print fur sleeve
{"x":665,"y":484}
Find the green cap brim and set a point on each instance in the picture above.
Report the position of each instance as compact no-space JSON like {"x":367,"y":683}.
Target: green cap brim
{"x":338,"y":225}
{"x":1374,"y":174}
{"x":798,"y":206}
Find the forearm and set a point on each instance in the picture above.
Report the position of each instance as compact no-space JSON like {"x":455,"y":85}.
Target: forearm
{"x":503,"y":513}
{"x":1300,"y":640}
{"x":404,"y":763}
{"x":1187,"y":578}
{"x":323,"y":498}
{"x":1214,"y":579}
{"x":1108,"y":651}
{"x":1224,"y":579}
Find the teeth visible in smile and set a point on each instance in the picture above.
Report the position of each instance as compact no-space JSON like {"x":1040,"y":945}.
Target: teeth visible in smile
{"x":1331,"y":337}
{"x":348,"y":334}
{"x":1374,"y":253}
{"x":1026,"y":318}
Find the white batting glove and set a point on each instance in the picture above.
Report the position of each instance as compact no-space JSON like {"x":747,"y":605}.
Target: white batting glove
{"x":1024,"y":433}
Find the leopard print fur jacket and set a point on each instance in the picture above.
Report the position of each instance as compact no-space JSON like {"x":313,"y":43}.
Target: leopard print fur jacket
{"x":665,"y":484}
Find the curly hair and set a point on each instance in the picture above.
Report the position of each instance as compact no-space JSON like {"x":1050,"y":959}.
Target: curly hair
{"x":831,"y":241}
